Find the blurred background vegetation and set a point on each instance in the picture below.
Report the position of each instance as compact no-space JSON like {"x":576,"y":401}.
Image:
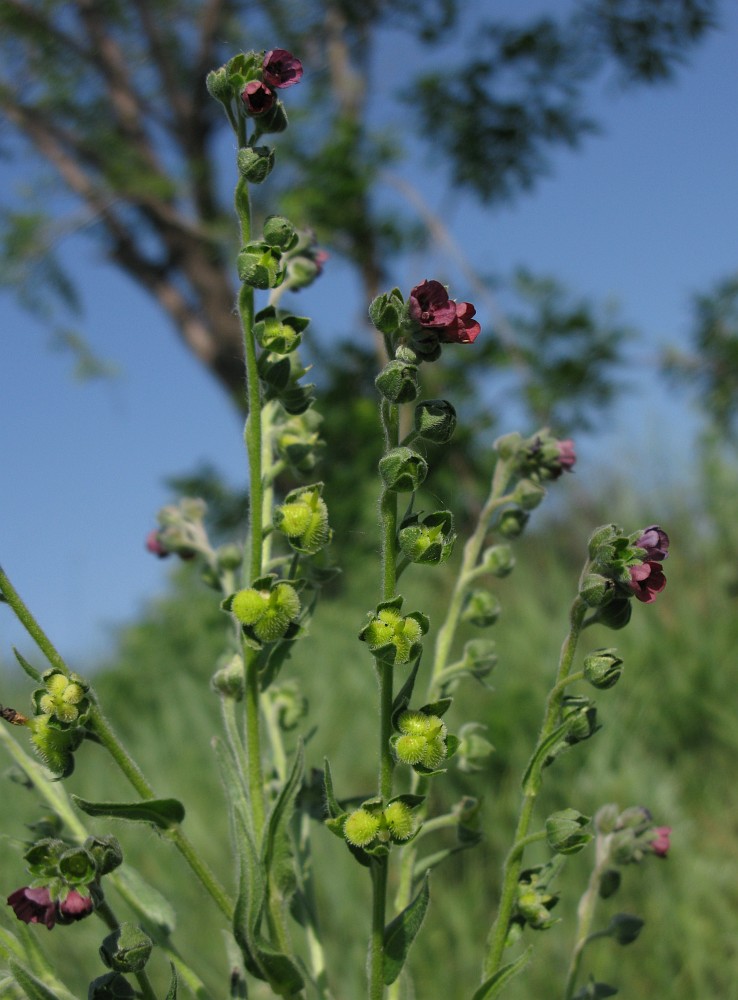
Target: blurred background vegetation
{"x":108,"y":99}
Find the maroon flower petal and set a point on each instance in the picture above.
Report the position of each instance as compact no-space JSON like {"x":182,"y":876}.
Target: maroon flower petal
{"x":660,"y":844}
{"x":33,"y":906}
{"x":75,"y":906}
{"x":655,"y":541}
{"x":647,"y":580}
{"x":567,"y":455}
{"x":257,"y":97}
{"x":154,"y":545}
{"x":430,"y":305}
{"x":281,"y":69}
{"x":464,"y":329}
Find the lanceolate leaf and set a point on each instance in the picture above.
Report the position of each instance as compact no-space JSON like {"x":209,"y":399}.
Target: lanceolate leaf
{"x":400,"y":933}
{"x":493,"y":986}
{"x":30,"y":670}
{"x":33,"y":988}
{"x":277,"y":850}
{"x":172,"y":991}
{"x":162,"y":813}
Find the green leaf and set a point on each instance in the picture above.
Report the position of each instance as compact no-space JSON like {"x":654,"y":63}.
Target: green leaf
{"x":532,"y":778}
{"x":493,"y":986}
{"x":172,"y":991}
{"x":400,"y":933}
{"x":162,"y":813}
{"x":334,"y":809}
{"x":32,"y":987}
{"x":147,"y":901}
{"x":31,"y":671}
{"x":277,"y":848}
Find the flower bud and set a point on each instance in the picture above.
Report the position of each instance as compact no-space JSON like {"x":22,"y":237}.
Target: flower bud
{"x":361,"y":827}
{"x":398,"y":382}
{"x":111,"y":986}
{"x":229,"y":679}
{"x":564,"y":831}
{"x":616,"y":614}
{"x":385,"y":312}
{"x":534,"y":901}
{"x":260,"y":266}
{"x":279,"y":233}
{"x":609,"y":883}
{"x":512,"y":522}
{"x":596,"y":590}
{"x":127,"y":949}
{"x":218,"y":84}
{"x":229,"y":557}
{"x":473,"y":749}
{"x":498,"y":560}
{"x":602,"y":668}
{"x":107,"y":853}
{"x":528,"y":494}
{"x":481,"y":608}
{"x":624,"y":928}
{"x":273,"y":120}
{"x":581,"y":715}
{"x":435,"y":420}
{"x":509,"y":446}
{"x":255,"y":163}
{"x":402,"y":470}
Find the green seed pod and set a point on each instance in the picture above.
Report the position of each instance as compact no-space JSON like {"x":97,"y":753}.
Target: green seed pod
{"x":249,"y":605}
{"x":512,"y":522}
{"x":481,"y":608}
{"x":597,"y":590}
{"x":399,"y":818}
{"x":107,"y":853}
{"x":55,"y":746}
{"x":528,"y":494}
{"x":410,"y":748}
{"x":361,"y":827}
{"x":564,"y":831}
{"x":498,"y":560}
{"x":303,"y":517}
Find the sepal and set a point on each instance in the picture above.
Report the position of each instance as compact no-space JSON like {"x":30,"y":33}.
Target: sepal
{"x":428,"y":540}
{"x":435,"y":420}
{"x":402,"y":470}
{"x":255,"y":163}
{"x":260,"y":265}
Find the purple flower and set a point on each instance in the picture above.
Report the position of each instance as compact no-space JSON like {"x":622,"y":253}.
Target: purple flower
{"x":647,"y":580}
{"x":656,"y":543}
{"x":430,"y":305}
{"x":257,"y":97}
{"x":567,"y":455}
{"x":660,"y":844}
{"x":281,"y":69}
{"x":464,"y":329}
{"x":154,"y":545}
{"x":33,"y":906}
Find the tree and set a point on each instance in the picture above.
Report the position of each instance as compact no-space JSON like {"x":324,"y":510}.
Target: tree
{"x":111,"y":96}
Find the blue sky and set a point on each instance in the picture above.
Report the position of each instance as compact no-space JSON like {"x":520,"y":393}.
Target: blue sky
{"x":646,"y":214}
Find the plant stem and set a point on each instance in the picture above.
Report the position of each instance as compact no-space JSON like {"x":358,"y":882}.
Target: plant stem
{"x":379,"y":870}
{"x":30,"y":624}
{"x":513,"y":863}
{"x":585,"y":915}
{"x":255,"y":773}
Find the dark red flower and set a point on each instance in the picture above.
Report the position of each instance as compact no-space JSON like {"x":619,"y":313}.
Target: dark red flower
{"x":655,"y":541}
{"x":281,"y":69}
{"x":257,"y":97}
{"x":647,"y":580}
{"x":430,"y":305}
{"x":464,"y":329}
{"x":154,"y":545}
{"x":660,"y":844}
{"x":33,"y":906}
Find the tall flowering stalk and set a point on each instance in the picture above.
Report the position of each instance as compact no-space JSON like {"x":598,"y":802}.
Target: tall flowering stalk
{"x":268,"y":588}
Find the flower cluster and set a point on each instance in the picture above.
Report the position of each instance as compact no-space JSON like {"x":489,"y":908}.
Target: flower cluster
{"x":35,"y":906}
{"x":279,"y":69}
{"x":647,"y":579}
